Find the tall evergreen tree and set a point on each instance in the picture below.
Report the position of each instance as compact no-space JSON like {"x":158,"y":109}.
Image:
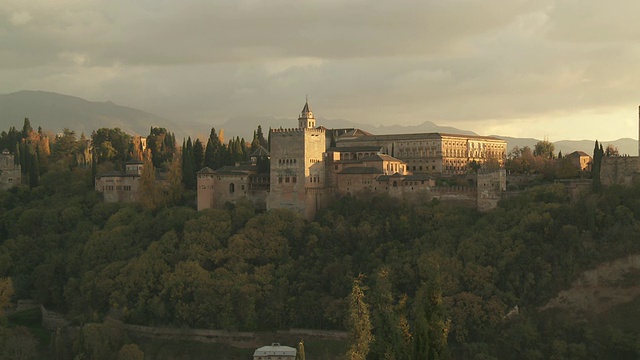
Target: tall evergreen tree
{"x":198,"y":155}
{"x":359,"y":323}
{"x":188,"y":168}
{"x":210,"y":155}
{"x":430,"y":328}
{"x":26,"y":128}
{"x":259,"y":134}
{"x":386,"y":321}
{"x":148,"y":185}
{"x":33,"y":166}
{"x":595,"y":167}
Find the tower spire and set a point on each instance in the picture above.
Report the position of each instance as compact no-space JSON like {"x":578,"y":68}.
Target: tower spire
{"x":306,"y":119}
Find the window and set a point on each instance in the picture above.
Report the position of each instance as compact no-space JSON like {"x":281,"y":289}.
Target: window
{"x":279,"y":179}
{"x":294,"y":179}
{"x":286,"y":179}
{"x":232,"y":188}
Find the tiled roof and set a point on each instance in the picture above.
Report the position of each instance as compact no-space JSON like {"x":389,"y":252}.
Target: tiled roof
{"x":419,"y":136}
{"x":206,"y":170}
{"x":355,"y":148}
{"x":380,"y":157}
{"x":260,"y":151}
{"x":360,"y":170}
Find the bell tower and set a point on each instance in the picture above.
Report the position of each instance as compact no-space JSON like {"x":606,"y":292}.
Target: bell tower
{"x":306,"y":119}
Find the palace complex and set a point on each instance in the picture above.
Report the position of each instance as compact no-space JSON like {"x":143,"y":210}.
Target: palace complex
{"x":310,"y":166}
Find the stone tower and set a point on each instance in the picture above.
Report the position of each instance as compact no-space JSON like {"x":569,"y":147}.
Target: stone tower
{"x":297,"y":173}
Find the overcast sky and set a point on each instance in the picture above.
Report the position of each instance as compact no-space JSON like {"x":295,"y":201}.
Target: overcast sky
{"x":563,"y":69}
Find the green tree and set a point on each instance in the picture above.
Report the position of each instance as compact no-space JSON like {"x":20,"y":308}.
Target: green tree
{"x":198,"y":155}
{"x":430,"y":328}
{"x":386,"y":319}
{"x":26,"y":128}
{"x":545,"y":149}
{"x":188,"y":165}
{"x":115,"y":145}
{"x":359,"y":324}
{"x":148,"y":185}
{"x":598,"y":153}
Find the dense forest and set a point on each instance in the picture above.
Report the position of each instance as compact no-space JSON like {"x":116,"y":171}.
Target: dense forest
{"x":427,"y":281}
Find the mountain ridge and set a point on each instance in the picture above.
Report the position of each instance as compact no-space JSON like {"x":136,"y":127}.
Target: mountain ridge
{"x":54,"y":111}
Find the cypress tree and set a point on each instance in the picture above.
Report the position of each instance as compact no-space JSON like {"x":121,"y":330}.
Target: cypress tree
{"x":198,"y":155}
{"x":263,"y":142}
{"x":209,"y":155}
{"x":595,"y":167}
{"x":359,"y":324}
{"x":188,"y":169}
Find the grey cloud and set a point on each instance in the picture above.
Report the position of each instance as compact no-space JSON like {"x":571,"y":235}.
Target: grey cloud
{"x":368,"y":61}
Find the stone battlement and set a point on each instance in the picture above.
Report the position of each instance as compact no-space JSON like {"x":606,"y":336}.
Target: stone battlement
{"x":296,"y":130}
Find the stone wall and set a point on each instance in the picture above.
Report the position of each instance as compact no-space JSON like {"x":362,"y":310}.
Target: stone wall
{"x":308,"y":334}
{"x":620,"y":170}
{"x":456,"y":195}
{"x":491,"y":184}
{"x":52,"y":320}
{"x":125,"y":188}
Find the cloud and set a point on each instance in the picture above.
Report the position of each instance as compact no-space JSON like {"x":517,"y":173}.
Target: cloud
{"x":20,"y":18}
{"x":376,"y":61}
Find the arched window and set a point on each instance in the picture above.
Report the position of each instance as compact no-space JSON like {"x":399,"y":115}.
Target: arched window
{"x":232,"y":188}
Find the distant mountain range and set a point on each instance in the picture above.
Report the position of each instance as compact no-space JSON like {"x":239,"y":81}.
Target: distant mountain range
{"x":53,"y":111}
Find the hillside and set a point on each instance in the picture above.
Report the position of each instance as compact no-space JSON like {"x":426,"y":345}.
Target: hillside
{"x":55,"y":112}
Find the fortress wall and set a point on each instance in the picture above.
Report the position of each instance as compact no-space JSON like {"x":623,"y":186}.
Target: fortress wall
{"x":619,"y":170}
{"x":490,"y":188}
{"x":230,"y":188}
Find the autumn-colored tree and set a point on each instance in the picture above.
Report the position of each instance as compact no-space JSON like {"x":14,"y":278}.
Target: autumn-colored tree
{"x":545,"y":149}
{"x":130,"y":352}
{"x":300,"y":353}
{"x":6,"y":293}
{"x":611,"y":150}
{"x":175,"y":187}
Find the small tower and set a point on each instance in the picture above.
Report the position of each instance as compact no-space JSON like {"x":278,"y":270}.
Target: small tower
{"x":306,"y":119}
